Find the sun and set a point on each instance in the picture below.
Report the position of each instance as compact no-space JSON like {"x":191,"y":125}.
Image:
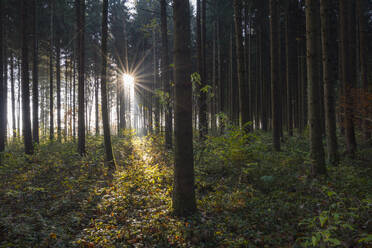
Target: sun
{"x":128,"y":80}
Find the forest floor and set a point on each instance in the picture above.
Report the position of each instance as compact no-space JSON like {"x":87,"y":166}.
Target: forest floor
{"x":247,"y":196}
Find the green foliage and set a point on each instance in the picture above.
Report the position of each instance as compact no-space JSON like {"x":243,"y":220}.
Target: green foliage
{"x":248,"y":196}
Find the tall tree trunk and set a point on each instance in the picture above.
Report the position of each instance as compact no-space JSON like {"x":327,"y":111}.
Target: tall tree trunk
{"x":12,"y":92}
{"x":26,"y":120}
{"x":2,"y":128}
{"x":74,"y":97}
{"x":96,"y":83}
{"x":363,"y":57}
{"x":109,"y":157}
{"x":35,"y":78}
{"x":313,"y":75}
{"x":122,"y":86}
{"x":243,"y":91}
{"x":329,"y":51}
{"x":274,"y":48}
{"x":5,"y":81}
{"x":184,"y":195}
{"x":51,"y":96}
{"x":156,"y":83}
{"x":80,"y":14}
{"x":348,"y":68}
{"x":203,"y":120}
{"x":291,"y":57}
{"x":165,"y":70}
{"x":58,"y":79}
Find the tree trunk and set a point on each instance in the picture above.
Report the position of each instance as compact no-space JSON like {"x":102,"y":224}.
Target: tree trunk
{"x":313,"y":75}
{"x":96,"y":84}
{"x":26,"y":120}
{"x":243,"y":91}
{"x":348,"y":69}
{"x":51,"y":97}
{"x":165,"y":74}
{"x":109,"y":157}
{"x":2,"y":128}
{"x":329,"y":51}
{"x":363,"y":54}
{"x":58,"y":79}
{"x":184,"y":202}
{"x":291,"y":56}
{"x":12,"y":92}
{"x":35,"y":78}
{"x":274,"y":48}
{"x":80,"y":10}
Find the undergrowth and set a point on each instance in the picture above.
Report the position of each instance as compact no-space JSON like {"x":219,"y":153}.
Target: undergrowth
{"x":247,"y":195}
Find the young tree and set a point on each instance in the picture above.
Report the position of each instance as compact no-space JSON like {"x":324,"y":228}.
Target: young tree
{"x":26,"y":120}
{"x":274,"y":50}
{"x":184,"y":195}
{"x":313,"y":76}
{"x":329,"y":51}
{"x":80,"y":13}
{"x":109,"y":157}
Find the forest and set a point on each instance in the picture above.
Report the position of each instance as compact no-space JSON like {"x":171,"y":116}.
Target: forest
{"x":177,"y":123}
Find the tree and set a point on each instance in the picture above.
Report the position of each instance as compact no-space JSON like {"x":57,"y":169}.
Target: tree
{"x":58,"y":81}
{"x":291,"y":56}
{"x":243,"y":91}
{"x":26,"y":120}
{"x":165,"y":73}
{"x":35,"y":75}
{"x":347,"y":31}
{"x":329,"y":51}
{"x":274,"y":50}
{"x":184,"y":195}
{"x":363,"y":55}
{"x":51,"y":96}
{"x":2,"y":114}
{"x":313,"y":76}
{"x":109,"y":157}
{"x":201,"y":43}
{"x":80,"y":13}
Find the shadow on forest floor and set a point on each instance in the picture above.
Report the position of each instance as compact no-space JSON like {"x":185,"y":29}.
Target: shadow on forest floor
{"x":48,"y":198}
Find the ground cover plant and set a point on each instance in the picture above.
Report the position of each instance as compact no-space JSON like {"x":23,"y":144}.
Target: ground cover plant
{"x":247,"y":196}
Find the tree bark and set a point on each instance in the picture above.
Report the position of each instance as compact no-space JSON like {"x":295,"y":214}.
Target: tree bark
{"x":12,"y":92}
{"x":329,"y":51}
{"x":363,"y":56}
{"x":243,"y":91}
{"x":275,"y":80}
{"x":35,"y":78}
{"x":109,"y":157}
{"x":184,"y":202}
{"x":2,"y":131}
{"x":165,"y":74}
{"x":26,"y":120}
{"x":58,"y":81}
{"x":313,"y":75}
{"x":51,"y":96}
{"x":291,"y":56}
{"x":347,"y":22}
{"x":80,"y":14}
